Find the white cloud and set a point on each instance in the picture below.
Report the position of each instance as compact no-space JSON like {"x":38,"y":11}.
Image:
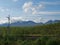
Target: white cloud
{"x":19,"y":19}
{"x":5,"y":20}
{"x":36,"y":9}
{"x":14,"y":0}
{"x":34,"y":12}
{"x":37,"y":20}
{"x":34,"y":19}
{"x":4,"y":9}
{"x":51,"y":3}
{"x":7,"y":9}
{"x":14,"y":19}
{"x":40,"y":6}
{"x":48,"y":13}
{"x":27,"y":6}
{"x":2,"y":21}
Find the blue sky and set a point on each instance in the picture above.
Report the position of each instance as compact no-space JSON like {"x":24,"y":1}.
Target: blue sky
{"x":34,"y":10}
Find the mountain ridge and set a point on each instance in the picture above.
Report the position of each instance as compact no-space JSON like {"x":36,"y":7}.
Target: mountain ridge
{"x":29,"y":23}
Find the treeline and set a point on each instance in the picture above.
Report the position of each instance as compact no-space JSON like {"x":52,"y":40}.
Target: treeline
{"x":46,"y":35}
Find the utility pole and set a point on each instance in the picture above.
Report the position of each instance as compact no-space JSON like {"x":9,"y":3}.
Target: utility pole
{"x":8,"y":30}
{"x":8,"y":22}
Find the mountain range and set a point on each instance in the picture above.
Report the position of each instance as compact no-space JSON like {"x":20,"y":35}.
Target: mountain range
{"x":29,"y":23}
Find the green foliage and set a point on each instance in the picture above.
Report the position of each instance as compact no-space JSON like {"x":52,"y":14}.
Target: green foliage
{"x":44,"y":35}
{"x":53,"y":42}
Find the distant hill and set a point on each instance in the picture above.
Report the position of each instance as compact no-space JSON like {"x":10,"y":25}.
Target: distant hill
{"x":22,"y":23}
{"x":52,"y":21}
{"x":29,"y":23}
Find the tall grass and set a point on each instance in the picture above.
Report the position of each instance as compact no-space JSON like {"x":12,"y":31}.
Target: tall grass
{"x":46,"y":35}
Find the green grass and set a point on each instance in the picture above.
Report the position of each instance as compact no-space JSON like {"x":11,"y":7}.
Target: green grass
{"x":49,"y":35}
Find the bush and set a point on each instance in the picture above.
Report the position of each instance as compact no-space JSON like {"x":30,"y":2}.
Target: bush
{"x":53,"y":42}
